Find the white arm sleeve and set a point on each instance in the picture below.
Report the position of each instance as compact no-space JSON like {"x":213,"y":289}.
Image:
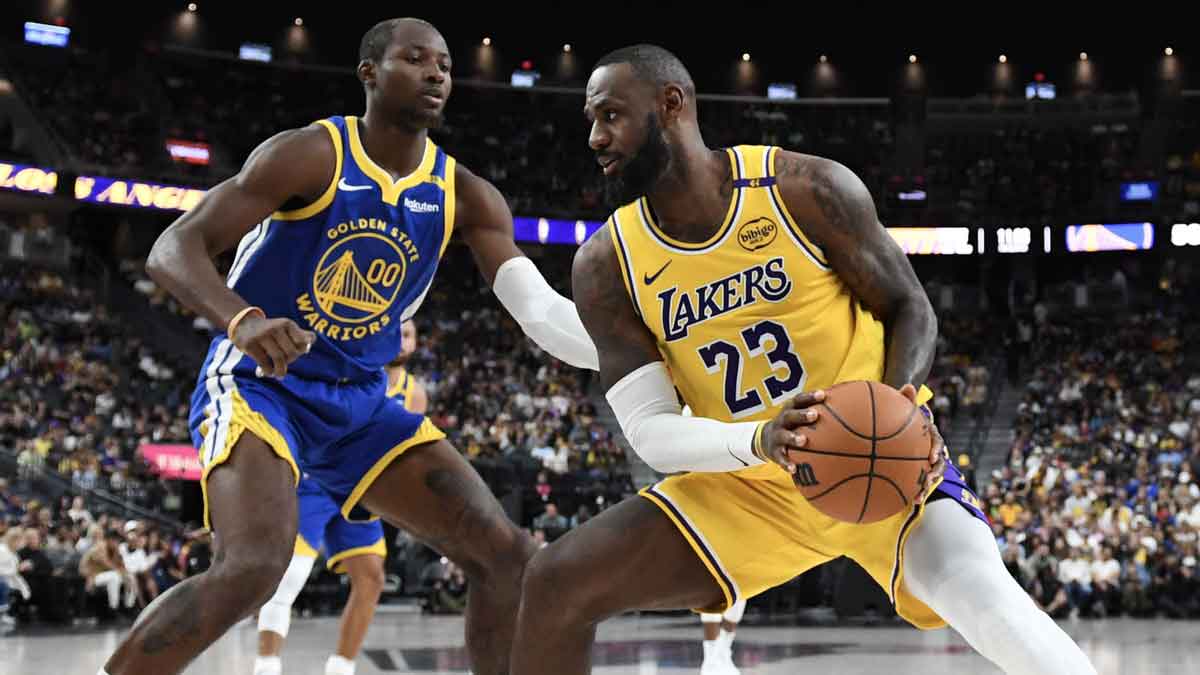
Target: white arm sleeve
{"x":647,"y":408}
{"x":548,"y":318}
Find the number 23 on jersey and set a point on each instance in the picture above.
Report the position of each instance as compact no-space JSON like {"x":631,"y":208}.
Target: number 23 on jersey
{"x":765,"y":339}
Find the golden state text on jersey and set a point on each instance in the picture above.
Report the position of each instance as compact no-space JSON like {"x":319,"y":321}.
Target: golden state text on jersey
{"x":752,"y":316}
{"x":357,"y":262}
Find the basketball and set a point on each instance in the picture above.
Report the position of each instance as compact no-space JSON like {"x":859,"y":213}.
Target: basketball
{"x":867,"y":454}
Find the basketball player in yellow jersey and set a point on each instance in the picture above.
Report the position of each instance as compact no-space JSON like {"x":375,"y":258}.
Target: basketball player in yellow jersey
{"x":749,"y":279}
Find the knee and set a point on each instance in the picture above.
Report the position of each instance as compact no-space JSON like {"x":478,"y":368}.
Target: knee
{"x":252,"y":575}
{"x":496,"y":559}
{"x":555,"y":588}
{"x":368,"y":579}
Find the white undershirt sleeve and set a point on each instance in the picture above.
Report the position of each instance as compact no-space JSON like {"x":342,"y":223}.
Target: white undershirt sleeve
{"x":648,"y":410}
{"x":549,"y":319}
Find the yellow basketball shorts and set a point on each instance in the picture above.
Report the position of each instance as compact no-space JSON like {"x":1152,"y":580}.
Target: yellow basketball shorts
{"x":753,"y":530}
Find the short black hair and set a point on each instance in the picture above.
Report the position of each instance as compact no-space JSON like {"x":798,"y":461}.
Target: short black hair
{"x":375,"y":41}
{"x":653,"y":64}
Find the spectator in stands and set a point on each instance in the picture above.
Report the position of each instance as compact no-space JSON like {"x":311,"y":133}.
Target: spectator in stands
{"x":1106,"y":583}
{"x":552,"y":522}
{"x":1009,"y":511}
{"x":167,"y":570}
{"x":94,"y":535}
{"x":139,"y":563}
{"x":1075,"y":573}
{"x":79,"y":513}
{"x":1179,"y":589}
{"x":9,"y":503}
{"x":1014,"y":564}
{"x":582,"y":515}
{"x":102,"y":568}
{"x":60,"y":546}
{"x":451,"y":593}
{"x":37,"y":571}
{"x":542,"y":486}
{"x":1049,"y":593}
{"x":11,"y":581}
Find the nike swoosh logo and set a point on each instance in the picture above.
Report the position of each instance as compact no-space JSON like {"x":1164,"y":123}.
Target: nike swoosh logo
{"x":343,"y":185}
{"x":649,"y":279}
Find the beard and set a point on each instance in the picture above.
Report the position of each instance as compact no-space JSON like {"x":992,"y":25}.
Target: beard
{"x":419,"y":118}
{"x":399,"y":361}
{"x":641,"y":171}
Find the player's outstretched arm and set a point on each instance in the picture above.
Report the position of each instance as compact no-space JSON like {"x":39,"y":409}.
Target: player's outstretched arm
{"x":836,"y":211}
{"x":294,"y":164}
{"x":640,"y":389}
{"x":549,"y":319}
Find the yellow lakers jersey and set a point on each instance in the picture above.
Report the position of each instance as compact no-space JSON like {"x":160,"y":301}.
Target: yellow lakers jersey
{"x":753,"y":316}
{"x":402,"y":390}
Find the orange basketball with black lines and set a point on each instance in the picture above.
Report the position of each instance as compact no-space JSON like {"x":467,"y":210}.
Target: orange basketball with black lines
{"x":867,"y":454}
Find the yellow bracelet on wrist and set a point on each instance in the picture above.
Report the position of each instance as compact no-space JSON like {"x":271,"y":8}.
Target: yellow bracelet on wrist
{"x":757,"y":446}
{"x":237,"y":319}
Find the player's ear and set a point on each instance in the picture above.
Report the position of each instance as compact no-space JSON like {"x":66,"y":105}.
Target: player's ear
{"x":673,"y":102}
{"x":366,"y":72}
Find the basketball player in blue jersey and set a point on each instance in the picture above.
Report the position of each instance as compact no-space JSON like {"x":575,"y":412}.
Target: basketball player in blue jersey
{"x":341,"y":225}
{"x":355,"y":549}
{"x":747,"y":280}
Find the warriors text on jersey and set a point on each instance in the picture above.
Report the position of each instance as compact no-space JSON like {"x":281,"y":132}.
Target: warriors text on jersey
{"x":351,"y":267}
{"x":356,"y":263}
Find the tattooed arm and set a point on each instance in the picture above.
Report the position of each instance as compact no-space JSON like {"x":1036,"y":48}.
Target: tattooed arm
{"x":622,"y":340}
{"x":640,"y":389}
{"x":836,"y":212}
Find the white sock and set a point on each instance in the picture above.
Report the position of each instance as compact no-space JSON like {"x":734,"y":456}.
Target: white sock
{"x":268,"y":665}
{"x":726,"y":639}
{"x":710,"y":646}
{"x":339,"y":665}
{"x":953,"y":565}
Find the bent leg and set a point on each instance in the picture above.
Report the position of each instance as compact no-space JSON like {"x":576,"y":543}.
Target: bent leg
{"x":953,"y":565}
{"x":252,"y":498}
{"x":629,"y":557}
{"x":433,"y":493}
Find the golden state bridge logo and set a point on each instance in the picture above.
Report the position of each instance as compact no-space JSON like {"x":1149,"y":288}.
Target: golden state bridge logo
{"x":357,"y":279}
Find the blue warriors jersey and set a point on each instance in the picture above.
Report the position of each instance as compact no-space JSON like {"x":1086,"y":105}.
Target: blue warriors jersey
{"x":354,"y":264}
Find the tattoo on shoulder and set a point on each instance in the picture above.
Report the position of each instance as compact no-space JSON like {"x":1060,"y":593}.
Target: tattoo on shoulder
{"x":816,"y":180}
{"x":829,"y":200}
{"x":789,"y":165}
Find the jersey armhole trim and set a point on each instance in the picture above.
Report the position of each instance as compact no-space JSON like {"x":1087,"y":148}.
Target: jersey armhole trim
{"x":811,"y":250}
{"x":450,"y":198}
{"x":623,"y":262}
{"x":326,"y":197}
